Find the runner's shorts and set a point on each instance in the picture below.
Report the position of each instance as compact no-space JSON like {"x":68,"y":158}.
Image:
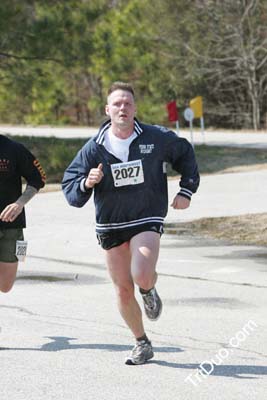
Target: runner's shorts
{"x":108,"y":240}
{"x":8,"y":239}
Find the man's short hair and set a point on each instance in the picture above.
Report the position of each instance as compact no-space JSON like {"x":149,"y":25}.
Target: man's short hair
{"x":121,"y":86}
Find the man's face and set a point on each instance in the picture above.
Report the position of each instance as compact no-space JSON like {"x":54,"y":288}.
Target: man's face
{"x":121,"y":108}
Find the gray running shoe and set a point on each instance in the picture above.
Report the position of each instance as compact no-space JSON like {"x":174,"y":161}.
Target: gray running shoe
{"x":152,"y":304}
{"x":141,"y":353}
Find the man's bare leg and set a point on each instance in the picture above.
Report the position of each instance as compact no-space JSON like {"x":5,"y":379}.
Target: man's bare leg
{"x":119,"y":266}
{"x":144,"y":250}
{"x":8,"y":272}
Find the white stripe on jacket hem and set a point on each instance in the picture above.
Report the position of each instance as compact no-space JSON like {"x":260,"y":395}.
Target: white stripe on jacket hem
{"x":129,"y":224}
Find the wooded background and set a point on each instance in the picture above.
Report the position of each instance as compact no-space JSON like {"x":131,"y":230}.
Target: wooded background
{"x":57,"y":59}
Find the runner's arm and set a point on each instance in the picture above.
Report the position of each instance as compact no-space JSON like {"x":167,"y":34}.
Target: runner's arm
{"x":30,"y":168}
{"x":12,"y":211}
{"x":75,"y":176}
{"x":180,"y":154}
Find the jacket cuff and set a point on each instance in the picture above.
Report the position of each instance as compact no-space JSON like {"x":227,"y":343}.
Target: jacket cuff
{"x":185,"y":193}
{"x":83,"y":188}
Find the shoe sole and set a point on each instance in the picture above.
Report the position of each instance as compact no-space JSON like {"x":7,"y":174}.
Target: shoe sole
{"x":129,"y":361}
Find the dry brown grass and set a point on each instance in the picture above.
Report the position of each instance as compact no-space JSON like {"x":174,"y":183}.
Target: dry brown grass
{"x":249,"y":229}
{"x":244,"y":168}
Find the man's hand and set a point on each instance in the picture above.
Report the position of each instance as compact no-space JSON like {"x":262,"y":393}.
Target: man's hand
{"x":95,"y":176}
{"x":11,"y":212}
{"x":180,"y":202}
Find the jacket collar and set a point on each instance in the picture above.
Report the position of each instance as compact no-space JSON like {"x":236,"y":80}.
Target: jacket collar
{"x":100,"y":137}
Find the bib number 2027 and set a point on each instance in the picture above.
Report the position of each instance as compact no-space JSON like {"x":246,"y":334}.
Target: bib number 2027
{"x":128,"y":173}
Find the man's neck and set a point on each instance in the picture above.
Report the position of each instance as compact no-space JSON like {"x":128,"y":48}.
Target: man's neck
{"x":122,"y":132}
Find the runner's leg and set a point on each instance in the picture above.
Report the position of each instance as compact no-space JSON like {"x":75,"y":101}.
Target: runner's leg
{"x":8,"y":273}
{"x":145,"y":250}
{"x":119,"y":266}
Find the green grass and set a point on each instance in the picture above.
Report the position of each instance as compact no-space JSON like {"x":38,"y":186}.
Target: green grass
{"x":214,"y":159}
{"x":218,"y":159}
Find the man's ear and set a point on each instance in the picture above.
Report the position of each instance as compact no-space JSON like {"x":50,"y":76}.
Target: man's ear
{"x":107,"y":110}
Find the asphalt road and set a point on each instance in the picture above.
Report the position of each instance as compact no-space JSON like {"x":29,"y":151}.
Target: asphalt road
{"x":63,"y":338}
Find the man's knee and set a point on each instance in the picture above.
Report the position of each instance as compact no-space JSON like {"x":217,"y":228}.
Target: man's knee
{"x":144,"y":279}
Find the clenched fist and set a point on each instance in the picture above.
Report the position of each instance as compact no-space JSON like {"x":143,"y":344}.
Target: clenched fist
{"x":180,"y":202}
{"x":95,"y":176}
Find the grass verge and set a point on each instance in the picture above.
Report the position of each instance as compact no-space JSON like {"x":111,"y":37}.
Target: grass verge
{"x":219,"y":159}
{"x":249,"y":229}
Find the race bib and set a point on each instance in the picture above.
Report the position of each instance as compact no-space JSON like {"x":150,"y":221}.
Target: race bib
{"x":127,"y":173}
{"x":21,"y":249}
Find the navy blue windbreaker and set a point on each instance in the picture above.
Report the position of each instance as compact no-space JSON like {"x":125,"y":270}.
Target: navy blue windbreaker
{"x":123,"y":207}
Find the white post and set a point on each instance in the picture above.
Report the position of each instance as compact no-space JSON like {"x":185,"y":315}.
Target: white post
{"x":191,"y":132}
{"x":189,"y":116}
{"x":177,"y":128}
{"x":202,"y":129}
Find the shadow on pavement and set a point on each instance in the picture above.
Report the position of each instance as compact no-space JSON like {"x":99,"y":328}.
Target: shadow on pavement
{"x":59,"y":343}
{"x":231,"y":371}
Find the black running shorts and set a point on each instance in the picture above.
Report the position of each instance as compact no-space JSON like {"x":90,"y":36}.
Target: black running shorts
{"x":8,"y":239}
{"x":116,"y":238}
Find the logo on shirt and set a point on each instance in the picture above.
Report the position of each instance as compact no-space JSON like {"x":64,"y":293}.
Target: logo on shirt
{"x":40,"y":169}
{"x":4,"y":164}
{"x":146,"y":148}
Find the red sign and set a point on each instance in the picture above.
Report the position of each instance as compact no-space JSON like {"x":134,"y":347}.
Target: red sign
{"x":172,"y":111}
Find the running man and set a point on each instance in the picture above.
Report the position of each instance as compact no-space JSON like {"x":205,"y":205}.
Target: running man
{"x":125,"y":166}
{"x":15,"y":162}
